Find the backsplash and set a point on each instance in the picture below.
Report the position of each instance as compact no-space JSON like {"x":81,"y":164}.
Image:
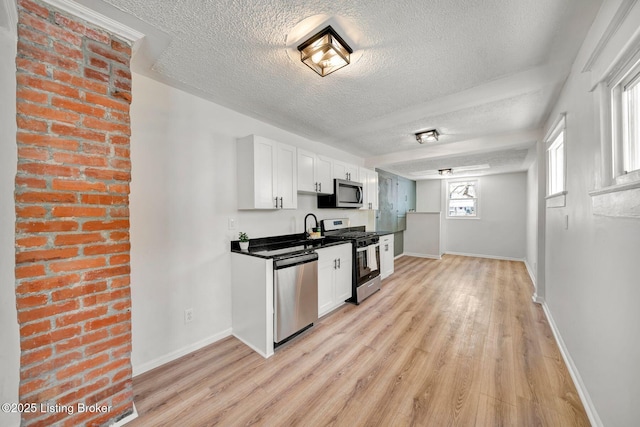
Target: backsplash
{"x":265,"y":223}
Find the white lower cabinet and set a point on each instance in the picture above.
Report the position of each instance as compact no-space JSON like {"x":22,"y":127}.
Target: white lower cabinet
{"x":386,"y":256}
{"x":335,"y":269}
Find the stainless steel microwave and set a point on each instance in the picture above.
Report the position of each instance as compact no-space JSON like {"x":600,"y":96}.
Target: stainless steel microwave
{"x":346,"y":194}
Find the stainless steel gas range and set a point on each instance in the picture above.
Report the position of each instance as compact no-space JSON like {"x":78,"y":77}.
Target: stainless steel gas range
{"x":366,"y":256}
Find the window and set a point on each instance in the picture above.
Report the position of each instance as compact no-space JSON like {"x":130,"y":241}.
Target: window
{"x":629,"y":89}
{"x":556,"y":158}
{"x":556,"y":164}
{"x":617,"y":86}
{"x":462,"y":200}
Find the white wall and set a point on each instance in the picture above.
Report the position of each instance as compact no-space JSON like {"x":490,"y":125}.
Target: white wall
{"x":592,"y":280}
{"x":500,"y":231}
{"x":428,"y":195}
{"x":9,"y":333}
{"x":531,"y":258}
{"x":183,"y":193}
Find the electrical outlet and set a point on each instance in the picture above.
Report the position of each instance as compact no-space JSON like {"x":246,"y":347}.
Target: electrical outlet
{"x":188,"y":315}
{"x":232,"y":224}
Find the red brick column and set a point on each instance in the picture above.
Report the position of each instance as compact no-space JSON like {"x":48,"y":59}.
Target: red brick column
{"x":72,"y":219}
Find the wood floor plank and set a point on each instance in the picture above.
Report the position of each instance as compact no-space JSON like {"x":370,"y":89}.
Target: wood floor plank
{"x":495,"y":413}
{"x":456,"y":341}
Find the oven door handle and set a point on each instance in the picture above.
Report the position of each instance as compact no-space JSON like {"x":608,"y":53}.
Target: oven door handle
{"x":377,"y":245}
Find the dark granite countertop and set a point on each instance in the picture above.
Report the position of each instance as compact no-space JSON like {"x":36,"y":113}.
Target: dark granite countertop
{"x":290,"y":244}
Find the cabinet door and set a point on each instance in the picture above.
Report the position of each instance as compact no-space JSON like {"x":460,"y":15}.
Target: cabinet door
{"x":287,"y":179}
{"x":344,"y":275}
{"x":363,"y":175}
{"x":306,"y":171}
{"x":264,"y":152}
{"x":324,"y":174}
{"x":326,"y":279}
{"x":326,"y":283}
{"x":373,"y":189}
{"x":352,"y":172}
{"x":266,"y":174}
{"x":386,"y":256}
{"x":346,"y":171}
{"x":369,"y":181}
{"x":339,"y":170}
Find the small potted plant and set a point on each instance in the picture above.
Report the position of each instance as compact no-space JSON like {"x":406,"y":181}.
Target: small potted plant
{"x":244,"y":241}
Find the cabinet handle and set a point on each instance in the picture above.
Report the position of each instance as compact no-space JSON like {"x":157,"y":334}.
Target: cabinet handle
{"x":276,"y":203}
{"x":386,"y":248}
{"x":339,"y":263}
{"x":281,"y":205}
{"x":316,"y":187}
{"x":335,"y":264}
{"x":320,"y":184}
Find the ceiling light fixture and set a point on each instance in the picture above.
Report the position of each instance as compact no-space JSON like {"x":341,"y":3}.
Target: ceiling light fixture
{"x":427,"y":136}
{"x":448,"y":171}
{"x":325,"y":52}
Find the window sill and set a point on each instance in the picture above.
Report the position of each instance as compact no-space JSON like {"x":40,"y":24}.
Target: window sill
{"x":557,"y":200}
{"x":628,"y":178}
{"x":619,"y":200}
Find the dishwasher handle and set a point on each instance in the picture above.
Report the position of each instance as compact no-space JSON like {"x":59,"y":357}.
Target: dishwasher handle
{"x":293,"y":260}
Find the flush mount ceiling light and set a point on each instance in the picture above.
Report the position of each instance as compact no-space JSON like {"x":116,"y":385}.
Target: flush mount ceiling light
{"x":427,"y":136}
{"x":325,"y":52}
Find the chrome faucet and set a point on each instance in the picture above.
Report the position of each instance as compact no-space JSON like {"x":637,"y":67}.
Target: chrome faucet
{"x":306,"y":233}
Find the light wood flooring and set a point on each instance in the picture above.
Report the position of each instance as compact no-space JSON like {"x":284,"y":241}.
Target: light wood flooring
{"x":456,"y":341}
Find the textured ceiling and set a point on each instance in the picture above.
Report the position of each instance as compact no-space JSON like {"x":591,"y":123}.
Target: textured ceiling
{"x":496,"y":161}
{"x":473,"y":69}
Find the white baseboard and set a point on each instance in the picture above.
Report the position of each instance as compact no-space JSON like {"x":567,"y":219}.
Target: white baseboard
{"x":594,"y":418}
{"x":152,"y":364}
{"x":504,"y":258}
{"x":399,"y":256}
{"x":537,"y":299}
{"x":532,"y":276}
{"x":126,"y":419}
{"x":417,"y":255}
{"x":252,"y":347}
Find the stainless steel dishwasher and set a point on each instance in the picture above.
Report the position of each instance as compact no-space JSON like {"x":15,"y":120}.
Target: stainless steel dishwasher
{"x":295,"y":294}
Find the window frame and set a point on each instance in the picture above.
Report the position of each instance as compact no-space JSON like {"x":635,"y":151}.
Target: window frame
{"x":556,"y":168}
{"x":614,"y":57}
{"x":476,"y":183}
{"x":621,"y":146}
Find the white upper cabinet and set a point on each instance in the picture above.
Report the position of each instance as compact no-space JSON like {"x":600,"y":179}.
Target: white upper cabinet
{"x":346,"y":171}
{"x":369,"y":179}
{"x":287,"y":180}
{"x":266,"y":174}
{"x":314,"y":173}
{"x":324,"y":174}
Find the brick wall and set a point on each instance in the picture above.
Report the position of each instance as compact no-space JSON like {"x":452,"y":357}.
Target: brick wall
{"x":72,"y":219}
